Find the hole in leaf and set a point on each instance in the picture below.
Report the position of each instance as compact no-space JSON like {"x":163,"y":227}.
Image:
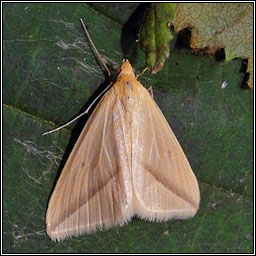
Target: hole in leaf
{"x":183,"y":39}
{"x":220,"y":55}
{"x":243,"y":69}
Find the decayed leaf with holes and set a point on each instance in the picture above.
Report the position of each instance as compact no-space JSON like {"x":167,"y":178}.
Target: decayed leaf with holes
{"x":219,"y":25}
{"x":155,"y":34}
{"x":214,"y":26}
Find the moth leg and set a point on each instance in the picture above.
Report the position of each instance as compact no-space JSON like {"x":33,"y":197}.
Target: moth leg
{"x":141,"y":73}
{"x":150,"y":90}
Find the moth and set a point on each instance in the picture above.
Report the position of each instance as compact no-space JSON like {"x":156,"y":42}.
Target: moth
{"x":126,"y":162}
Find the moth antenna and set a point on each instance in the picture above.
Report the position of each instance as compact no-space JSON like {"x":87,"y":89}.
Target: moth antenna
{"x":94,"y":48}
{"x":108,"y":71}
{"x":85,"y":112}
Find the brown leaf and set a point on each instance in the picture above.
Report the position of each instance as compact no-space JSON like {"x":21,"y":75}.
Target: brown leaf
{"x":219,"y":25}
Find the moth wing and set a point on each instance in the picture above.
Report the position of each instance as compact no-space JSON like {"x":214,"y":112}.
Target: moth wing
{"x":94,"y":190}
{"x":164,"y":184}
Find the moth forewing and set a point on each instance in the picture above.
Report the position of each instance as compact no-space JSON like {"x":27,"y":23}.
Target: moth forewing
{"x":94,"y":189}
{"x":163,"y":181}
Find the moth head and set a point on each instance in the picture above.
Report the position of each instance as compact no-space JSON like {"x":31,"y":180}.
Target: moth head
{"x":126,"y":68}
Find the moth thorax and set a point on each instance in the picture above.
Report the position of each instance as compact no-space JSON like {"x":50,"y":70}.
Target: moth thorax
{"x":126,"y":69}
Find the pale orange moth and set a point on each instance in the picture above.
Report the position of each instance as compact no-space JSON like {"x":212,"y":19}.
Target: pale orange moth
{"x":126,"y":162}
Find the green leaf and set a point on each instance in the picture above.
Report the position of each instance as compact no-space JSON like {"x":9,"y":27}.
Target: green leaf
{"x":155,"y":34}
{"x":50,"y":75}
